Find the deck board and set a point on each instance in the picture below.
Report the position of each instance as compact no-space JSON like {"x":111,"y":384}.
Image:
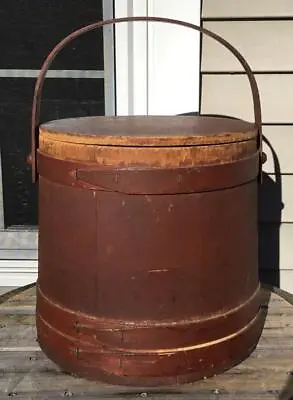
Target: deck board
{"x":27,"y":373}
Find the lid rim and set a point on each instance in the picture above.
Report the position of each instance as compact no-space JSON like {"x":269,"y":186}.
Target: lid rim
{"x":149,"y":131}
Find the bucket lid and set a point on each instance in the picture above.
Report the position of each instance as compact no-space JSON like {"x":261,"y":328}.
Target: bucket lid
{"x":150,"y":130}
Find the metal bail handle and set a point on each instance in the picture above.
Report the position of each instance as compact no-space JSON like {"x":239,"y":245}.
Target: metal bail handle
{"x":100,"y":24}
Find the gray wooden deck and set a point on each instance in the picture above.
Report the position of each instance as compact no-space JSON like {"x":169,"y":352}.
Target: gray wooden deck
{"x":26,"y":373}
{"x":5,"y":289}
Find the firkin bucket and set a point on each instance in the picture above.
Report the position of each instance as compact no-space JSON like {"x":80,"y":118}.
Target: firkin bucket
{"x":148,"y":243}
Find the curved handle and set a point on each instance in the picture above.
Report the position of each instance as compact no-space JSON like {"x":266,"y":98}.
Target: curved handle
{"x":96,"y":25}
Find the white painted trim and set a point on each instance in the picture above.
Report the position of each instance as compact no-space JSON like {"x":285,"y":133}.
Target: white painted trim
{"x":18,"y":254}
{"x":157,"y":70}
{"x":131,"y":59}
{"x":109,"y":59}
{"x":53,"y":73}
{"x":17,"y":238}
{"x":173,"y":58}
{"x":18,"y":272}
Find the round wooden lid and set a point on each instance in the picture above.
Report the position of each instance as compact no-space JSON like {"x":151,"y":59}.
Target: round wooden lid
{"x":149,"y":130}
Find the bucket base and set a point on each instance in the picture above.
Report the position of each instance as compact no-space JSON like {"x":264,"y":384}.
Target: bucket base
{"x":146,"y":369}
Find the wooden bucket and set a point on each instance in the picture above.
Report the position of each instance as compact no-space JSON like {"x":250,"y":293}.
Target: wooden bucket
{"x":148,"y":253}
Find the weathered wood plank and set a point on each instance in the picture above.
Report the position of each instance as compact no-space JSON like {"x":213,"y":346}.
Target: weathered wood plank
{"x":27,"y":310}
{"x":154,"y":395}
{"x":42,"y":379}
{"x":13,"y":335}
{"x":19,"y":297}
{"x":271,"y":374}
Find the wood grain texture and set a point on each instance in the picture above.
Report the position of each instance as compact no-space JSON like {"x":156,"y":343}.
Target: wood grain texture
{"x":148,"y":130}
{"x":152,"y":141}
{"x":266,"y":374}
{"x":147,"y":156}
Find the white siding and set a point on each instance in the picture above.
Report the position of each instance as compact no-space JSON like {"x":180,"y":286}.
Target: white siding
{"x":230,"y":95}
{"x":265,"y":42}
{"x":247,"y":8}
{"x":271,"y":50}
{"x":281,"y":139}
